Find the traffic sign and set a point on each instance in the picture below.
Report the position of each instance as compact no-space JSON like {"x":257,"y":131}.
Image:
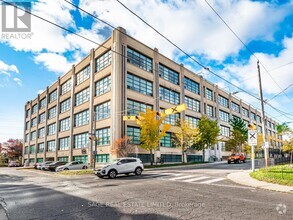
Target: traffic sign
{"x":252,"y":137}
{"x":175,"y":109}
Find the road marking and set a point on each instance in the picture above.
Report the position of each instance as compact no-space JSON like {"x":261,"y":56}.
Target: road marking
{"x":195,"y":179}
{"x":212,"y":181}
{"x":182,"y":177}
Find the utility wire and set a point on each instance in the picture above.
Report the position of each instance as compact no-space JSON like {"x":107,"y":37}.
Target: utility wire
{"x":252,"y":53}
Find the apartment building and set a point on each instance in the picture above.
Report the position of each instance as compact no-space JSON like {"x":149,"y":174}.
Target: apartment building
{"x":124,"y":77}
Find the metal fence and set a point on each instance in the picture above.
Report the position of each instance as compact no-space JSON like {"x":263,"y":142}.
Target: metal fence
{"x":260,"y":163}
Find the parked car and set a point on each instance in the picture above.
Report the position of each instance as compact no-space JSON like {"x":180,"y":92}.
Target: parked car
{"x":41,"y":166}
{"x":54,"y":165}
{"x":121,"y":166}
{"x":74,"y":165}
{"x":13,"y":164}
{"x":236,"y":158}
{"x":36,"y":165}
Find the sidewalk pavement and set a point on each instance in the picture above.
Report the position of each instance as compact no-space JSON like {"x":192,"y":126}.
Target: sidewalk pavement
{"x":187,"y":165}
{"x":244,"y":178}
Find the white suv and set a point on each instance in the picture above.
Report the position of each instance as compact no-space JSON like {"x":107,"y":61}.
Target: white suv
{"x":74,"y":165}
{"x":121,"y":166}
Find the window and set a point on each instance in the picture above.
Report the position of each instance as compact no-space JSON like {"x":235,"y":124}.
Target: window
{"x":103,"y":86}
{"x":139,"y":60}
{"x":171,"y":119}
{"x":65,"y":105}
{"x":34,"y":122}
{"x":104,"y":135}
{"x":40,"y":160}
{"x":102,"y":158}
{"x":66,"y":87}
{"x":139,"y":84}
{"x":258,"y":118}
{"x":41,"y":147}
{"x":53,"y":96}
{"x":259,"y":129}
{"x":192,"y":104}
{"x":33,"y":135}
{"x":191,"y":86}
{"x":51,"y":146}
{"x":223,"y":101}
{"x":64,"y":143}
{"x":26,"y":150}
{"x":192,"y":121}
{"x":27,"y":137}
{"x":63,"y":159}
{"x":210,"y":111}
{"x":41,"y":132}
{"x":224,"y":116}
{"x":194,"y":158}
{"x":28,"y":113}
{"x":81,"y":118}
{"x":83,"y":159}
{"x":222,"y":145}
{"x":134,"y":107}
{"x":134,"y":134}
{"x":27,"y":125}
{"x":168,"y":74}
{"x":103,"y":110}
{"x":252,"y":116}
{"x":34,"y":109}
{"x":81,"y":140}
{"x":235,"y":107}
{"x":103,"y":61}
{"x":31,"y":160}
{"x":65,"y":124}
{"x":52,"y":112}
{"x":82,"y":96}
{"x":245,"y":112}
{"x":169,"y":96}
{"x":166,"y":140}
{"x":83,"y":75}
{"x":43,"y":103}
{"x":42,"y":117}
{"x":224,"y":131}
{"x":52,"y":129}
{"x":171,"y":158}
{"x":209,"y":94}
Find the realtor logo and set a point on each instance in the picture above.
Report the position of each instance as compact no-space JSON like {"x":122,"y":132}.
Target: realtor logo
{"x":14,"y":19}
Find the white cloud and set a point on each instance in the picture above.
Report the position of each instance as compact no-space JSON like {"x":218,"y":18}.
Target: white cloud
{"x":6,"y":69}
{"x":17,"y":81}
{"x":192,"y":24}
{"x":53,"y":62}
{"x":40,"y":91}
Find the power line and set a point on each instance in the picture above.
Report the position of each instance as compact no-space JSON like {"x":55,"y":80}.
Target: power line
{"x":247,"y":49}
{"x":63,"y":28}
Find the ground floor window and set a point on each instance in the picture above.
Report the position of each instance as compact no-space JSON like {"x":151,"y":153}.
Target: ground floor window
{"x":145,"y":158}
{"x":40,"y":160}
{"x":171,"y":158}
{"x":64,"y":159}
{"x":102,"y":158}
{"x":32,"y":160}
{"x":80,"y":158}
{"x":194,"y":158}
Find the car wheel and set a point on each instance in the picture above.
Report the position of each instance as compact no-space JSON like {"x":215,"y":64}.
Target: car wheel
{"x":229,"y":162}
{"x":66,"y":169}
{"x":138,"y":171}
{"x":84,"y":167}
{"x":244,"y":161}
{"x":237,"y":161}
{"x":112,"y":174}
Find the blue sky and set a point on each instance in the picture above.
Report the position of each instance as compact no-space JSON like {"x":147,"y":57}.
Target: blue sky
{"x":28,"y":66}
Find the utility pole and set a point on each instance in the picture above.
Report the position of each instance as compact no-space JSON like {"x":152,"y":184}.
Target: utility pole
{"x":91,"y":135}
{"x":263,"y":116}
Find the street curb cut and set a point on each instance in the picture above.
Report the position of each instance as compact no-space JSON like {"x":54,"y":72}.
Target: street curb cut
{"x":244,"y":178}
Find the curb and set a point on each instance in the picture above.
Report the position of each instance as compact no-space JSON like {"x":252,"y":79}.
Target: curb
{"x":243,"y":178}
{"x":184,"y":166}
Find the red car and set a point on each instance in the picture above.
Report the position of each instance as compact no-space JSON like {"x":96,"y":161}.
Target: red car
{"x":236,"y":158}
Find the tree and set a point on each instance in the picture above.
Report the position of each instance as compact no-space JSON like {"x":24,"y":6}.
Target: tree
{"x":239,"y":125}
{"x":209,"y":132}
{"x":122,"y":147}
{"x":184,"y":136}
{"x":152,"y":130}
{"x":288,"y":147}
{"x":282,"y":128}
{"x":12,"y":148}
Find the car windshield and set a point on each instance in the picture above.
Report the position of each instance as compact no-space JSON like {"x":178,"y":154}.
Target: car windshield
{"x":232,"y":154}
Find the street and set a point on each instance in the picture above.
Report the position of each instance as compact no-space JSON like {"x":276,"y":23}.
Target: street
{"x":172,"y":193}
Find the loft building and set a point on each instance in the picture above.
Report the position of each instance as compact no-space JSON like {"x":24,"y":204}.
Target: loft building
{"x":106,"y":85}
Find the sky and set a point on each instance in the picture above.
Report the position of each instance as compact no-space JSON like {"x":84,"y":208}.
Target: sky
{"x":28,"y":66}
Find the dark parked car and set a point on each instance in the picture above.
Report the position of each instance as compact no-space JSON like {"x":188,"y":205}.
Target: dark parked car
{"x":54,"y":165}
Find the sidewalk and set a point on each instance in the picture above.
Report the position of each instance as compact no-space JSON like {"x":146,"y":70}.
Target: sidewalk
{"x":187,"y":165}
{"x":244,"y":178}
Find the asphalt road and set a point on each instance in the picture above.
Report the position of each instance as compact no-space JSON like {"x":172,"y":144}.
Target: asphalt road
{"x":177,"y":193}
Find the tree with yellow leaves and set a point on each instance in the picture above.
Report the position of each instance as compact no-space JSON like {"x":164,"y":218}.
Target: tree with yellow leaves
{"x":151,"y":130}
{"x":288,"y":147}
{"x":184,"y":136}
